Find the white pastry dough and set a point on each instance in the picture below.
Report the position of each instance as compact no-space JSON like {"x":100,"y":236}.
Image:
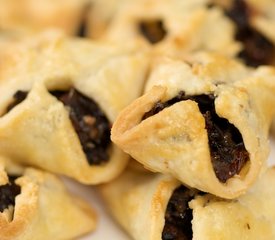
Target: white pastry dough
{"x":189,"y":25}
{"x":138,"y":201}
{"x":175,"y":140}
{"x":44,"y":209}
{"x":37,"y":15}
{"x":38,"y":131}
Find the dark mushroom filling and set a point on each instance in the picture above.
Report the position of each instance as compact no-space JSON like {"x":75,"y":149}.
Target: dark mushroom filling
{"x":8,"y":192}
{"x":153,"y":30}
{"x":89,"y":122}
{"x":257,"y":49}
{"x":227,"y":150}
{"x":178,"y":215}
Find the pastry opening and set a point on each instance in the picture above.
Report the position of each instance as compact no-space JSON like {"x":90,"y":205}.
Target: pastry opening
{"x":257,"y":49}
{"x":178,"y":215}
{"x":8,"y":192}
{"x":83,"y":25}
{"x":90,"y":123}
{"x":18,"y":97}
{"x":227,"y":150}
{"x":153,"y":30}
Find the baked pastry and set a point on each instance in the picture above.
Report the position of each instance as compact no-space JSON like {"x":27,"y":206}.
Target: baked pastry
{"x":60,"y":97}
{"x":101,"y":14}
{"x":35,"y":205}
{"x":206,"y":123}
{"x":172,"y":28}
{"x":254,"y":23}
{"x":37,"y":15}
{"x":154,"y":206}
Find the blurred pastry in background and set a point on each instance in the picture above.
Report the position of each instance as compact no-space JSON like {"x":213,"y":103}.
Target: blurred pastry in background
{"x":254,"y":28}
{"x":168,"y":27}
{"x":37,"y":15}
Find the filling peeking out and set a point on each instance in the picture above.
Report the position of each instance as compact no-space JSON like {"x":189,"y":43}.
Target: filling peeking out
{"x":8,"y":192}
{"x":227,"y":150}
{"x":82,"y":27}
{"x":257,"y":49}
{"x":89,"y":122}
{"x":178,"y":215}
{"x":152,"y":30}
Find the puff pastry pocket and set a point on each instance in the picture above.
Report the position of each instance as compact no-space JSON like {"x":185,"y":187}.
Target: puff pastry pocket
{"x":28,"y":15}
{"x":172,"y":28}
{"x":62,"y":124}
{"x":36,"y":205}
{"x":253,"y":31}
{"x":206,"y":124}
{"x":153,"y":206}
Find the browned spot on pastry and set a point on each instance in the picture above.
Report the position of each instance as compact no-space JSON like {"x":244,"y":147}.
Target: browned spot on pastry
{"x":153,"y":30}
{"x":89,"y":122}
{"x":178,"y":215}
{"x":227,"y":150}
{"x":8,"y":193}
{"x":257,"y":49}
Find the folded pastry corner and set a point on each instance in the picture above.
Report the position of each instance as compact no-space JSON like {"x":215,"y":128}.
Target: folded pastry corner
{"x":154,"y":206}
{"x":63,"y":109}
{"x":35,"y":205}
{"x":206,"y":124}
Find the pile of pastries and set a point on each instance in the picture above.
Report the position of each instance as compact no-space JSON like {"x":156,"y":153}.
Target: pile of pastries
{"x":164,"y":106}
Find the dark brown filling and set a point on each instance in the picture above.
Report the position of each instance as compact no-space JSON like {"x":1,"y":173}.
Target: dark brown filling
{"x":257,"y":49}
{"x":178,"y":215}
{"x":227,"y":150}
{"x":90,"y":123}
{"x":82,"y":28}
{"x":153,"y":30}
{"x":18,"y":97}
{"x":8,"y":193}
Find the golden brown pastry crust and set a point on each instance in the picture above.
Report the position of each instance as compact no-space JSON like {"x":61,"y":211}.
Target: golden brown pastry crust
{"x":190,"y":25}
{"x":138,"y":202}
{"x":251,"y":216}
{"x":110,"y":75}
{"x":175,"y":140}
{"x":37,"y":15}
{"x":44,"y":209}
